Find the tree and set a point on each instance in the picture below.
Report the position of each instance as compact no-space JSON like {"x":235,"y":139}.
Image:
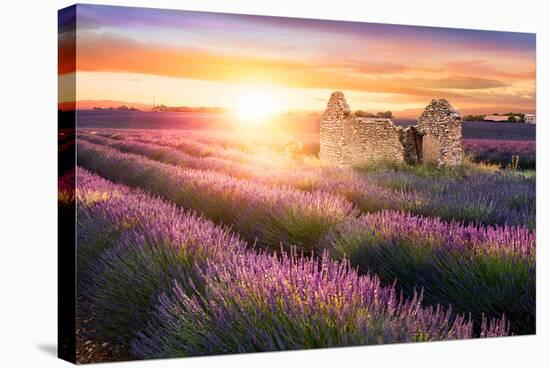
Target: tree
{"x":385,"y":115}
{"x":474,"y":117}
{"x":364,"y":114}
{"x":512,"y":119}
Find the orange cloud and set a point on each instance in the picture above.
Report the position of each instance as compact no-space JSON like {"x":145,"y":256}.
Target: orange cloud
{"x":459,"y":82}
{"x":117,"y":54}
{"x":481,"y":67}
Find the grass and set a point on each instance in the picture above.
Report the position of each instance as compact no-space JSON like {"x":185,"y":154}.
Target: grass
{"x":432,"y":170}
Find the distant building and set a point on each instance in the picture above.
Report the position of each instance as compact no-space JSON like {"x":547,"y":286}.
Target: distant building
{"x":530,"y":119}
{"x":499,"y":118}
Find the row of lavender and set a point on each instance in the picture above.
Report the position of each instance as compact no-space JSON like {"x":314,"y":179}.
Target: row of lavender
{"x":501,"y":152}
{"x":498,"y":151}
{"x":273,"y":171}
{"x":489,"y":199}
{"x":169,"y":283}
{"x":476,"y":269}
{"x":480,"y":198}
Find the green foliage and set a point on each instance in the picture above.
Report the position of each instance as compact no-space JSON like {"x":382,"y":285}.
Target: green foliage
{"x":364,"y":114}
{"x":430,"y":170}
{"x":473,"y":118}
{"x":385,"y":115}
{"x":129,"y":278}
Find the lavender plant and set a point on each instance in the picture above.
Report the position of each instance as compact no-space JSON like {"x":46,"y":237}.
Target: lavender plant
{"x":173,"y":156}
{"x":268,"y":215}
{"x":344,"y":182}
{"x":477,"y":269}
{"x":501,"y":151}
{"x":265,"y":303}
{"x":495,"y":199}
{"x":487,"y":199}
{"x":133,"y":247}
{"x":473,"y":268}
{"x":203,"y":270}
{"x":468,"y":194}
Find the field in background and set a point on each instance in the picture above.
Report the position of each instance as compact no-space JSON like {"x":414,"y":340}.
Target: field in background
{"x":295,"y":123}
{"x":490,"y":142}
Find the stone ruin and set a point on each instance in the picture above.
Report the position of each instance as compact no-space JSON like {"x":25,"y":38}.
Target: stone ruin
{"x":350,"y":140}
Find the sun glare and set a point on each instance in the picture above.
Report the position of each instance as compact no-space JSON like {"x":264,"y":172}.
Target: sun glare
{"x":255,"y":106}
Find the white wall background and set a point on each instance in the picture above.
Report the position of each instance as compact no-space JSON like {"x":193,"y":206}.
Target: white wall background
{"x":28,"y":186}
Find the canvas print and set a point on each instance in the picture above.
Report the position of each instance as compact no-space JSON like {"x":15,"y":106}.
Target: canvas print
{"x":236,"y":183}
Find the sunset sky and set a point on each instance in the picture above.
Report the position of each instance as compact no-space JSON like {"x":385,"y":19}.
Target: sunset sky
{"x":208,"y":59}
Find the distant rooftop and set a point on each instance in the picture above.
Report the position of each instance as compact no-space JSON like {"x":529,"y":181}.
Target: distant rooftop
{"x":498,"y":117}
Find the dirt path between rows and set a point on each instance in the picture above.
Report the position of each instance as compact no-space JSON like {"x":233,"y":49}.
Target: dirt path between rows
{"x":89,"y":347}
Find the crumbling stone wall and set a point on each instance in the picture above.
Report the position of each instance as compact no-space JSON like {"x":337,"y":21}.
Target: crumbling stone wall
{"x":332,"y":128}
{"x":371,"y":140}
{"x":350,"y":140}
{"x":441,"y":127}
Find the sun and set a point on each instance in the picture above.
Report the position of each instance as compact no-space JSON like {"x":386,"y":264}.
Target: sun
{"x":255,"y":106}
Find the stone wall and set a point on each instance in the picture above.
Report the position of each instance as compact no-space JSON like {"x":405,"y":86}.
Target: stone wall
{"x":332,"y":128}
{"x":441,"y":127}
{"x":350,"y":140}
{"x":370,"y":140}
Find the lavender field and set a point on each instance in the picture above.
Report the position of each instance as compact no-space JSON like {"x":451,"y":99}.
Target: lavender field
{"x":501,"y":152}
{"x":202,"y":242}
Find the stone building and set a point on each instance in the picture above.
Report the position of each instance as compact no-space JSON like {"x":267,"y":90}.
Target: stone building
{"x":441,"y":128}
{"x":350,"y":140}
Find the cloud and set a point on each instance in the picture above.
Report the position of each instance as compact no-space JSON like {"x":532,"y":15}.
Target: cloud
{"x":113,"y":16}
{"x":113,"y":53}
{"x":482,"y":67}
{"x":379,"y":67}
{"x":458,"y":82}
{"x":401,"y":63}
{"x":360,"y":66}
